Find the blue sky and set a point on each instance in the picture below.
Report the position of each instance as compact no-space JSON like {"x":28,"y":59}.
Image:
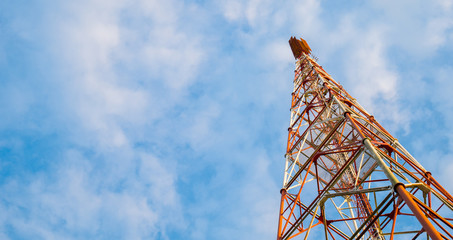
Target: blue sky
{"x":167,"y":119}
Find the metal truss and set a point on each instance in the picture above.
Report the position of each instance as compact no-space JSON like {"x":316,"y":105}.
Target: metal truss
{"x":346,"y":177}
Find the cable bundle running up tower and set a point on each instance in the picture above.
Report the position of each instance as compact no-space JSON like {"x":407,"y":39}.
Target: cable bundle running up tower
{"x":346,"y":177}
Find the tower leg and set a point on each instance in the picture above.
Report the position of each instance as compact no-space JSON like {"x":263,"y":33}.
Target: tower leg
{"x":405,"y":195}
{"x":280,"y":220}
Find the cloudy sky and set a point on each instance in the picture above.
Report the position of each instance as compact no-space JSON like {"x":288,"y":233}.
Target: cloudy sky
{"x":166,"y":119}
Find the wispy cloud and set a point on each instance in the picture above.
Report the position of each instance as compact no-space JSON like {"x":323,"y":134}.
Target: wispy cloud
{"x":166,"y":119}
{"x":101,"y":183}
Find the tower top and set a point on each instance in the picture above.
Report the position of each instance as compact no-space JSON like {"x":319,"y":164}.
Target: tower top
{"x":299,"y":46}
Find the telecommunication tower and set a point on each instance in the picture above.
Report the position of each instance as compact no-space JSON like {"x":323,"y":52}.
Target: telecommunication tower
{"x":346,"y":177}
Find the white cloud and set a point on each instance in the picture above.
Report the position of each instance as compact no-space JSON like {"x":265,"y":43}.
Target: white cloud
{"x":305,"y":19}
{"x":233,"y":10}
{"x":246,"y":12}
{"x":421,"y":30}
{"x":126,"y":71}
{"x":374,"y":81}
{"x":82,"y":200}
{"x":107,"y":187}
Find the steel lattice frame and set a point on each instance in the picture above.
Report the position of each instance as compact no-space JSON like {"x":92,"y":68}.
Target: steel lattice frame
{"x":346,"y":177}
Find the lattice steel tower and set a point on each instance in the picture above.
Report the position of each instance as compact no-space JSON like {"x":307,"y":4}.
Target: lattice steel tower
{"x":346,"y":177}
